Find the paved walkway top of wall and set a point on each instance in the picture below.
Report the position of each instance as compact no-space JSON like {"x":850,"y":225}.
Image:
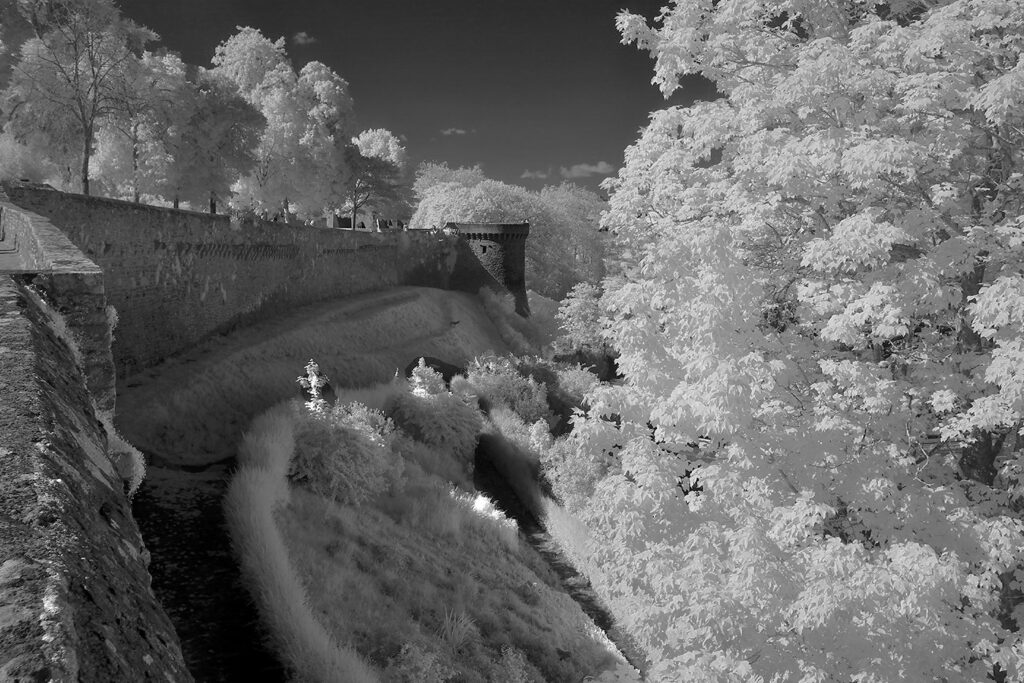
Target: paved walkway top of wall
{"x":30,"y":243}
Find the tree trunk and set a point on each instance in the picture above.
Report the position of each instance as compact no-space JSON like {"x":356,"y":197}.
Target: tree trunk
{"x":86,"y":153}
{"x":977,"y":459}
{"x":135,"y":171}
{"x":287,"y":212}
{"x":176,"y":201}
{"x":213,"y":203}
{"x":355,"y":210}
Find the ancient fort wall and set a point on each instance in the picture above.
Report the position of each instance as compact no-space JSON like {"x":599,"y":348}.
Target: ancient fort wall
{"x":176,"y":277}
{"x":75,"y":596}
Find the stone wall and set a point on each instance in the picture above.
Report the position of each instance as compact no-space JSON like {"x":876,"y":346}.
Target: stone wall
{"x":65,"y":276}
{"x":176,"y":277}
{"x":75,"y":597}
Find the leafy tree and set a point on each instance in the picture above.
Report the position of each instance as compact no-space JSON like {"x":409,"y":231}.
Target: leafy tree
{"x":252,"y":62}
{"x":149,"y":98}
{"x":325,"y":174}
{"x":260,"y":70}
{"x":301,"y":158}
{"x":212,"y":142}
{"x":64,"y":83}
{"x":577,"y":212}
{"x":377,"y":161}
{"x":19,"y":161}
{"x":813,"y":275}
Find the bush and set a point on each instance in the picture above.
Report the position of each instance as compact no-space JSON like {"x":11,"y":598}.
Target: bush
{"x":442,"y":421}
{"x":257,"y":492}
{"x":345,"y":453}
{"x":567,"y":386}
{"x":498,"y":381}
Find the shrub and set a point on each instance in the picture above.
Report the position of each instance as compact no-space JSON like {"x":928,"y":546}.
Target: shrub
{"x":128,"y":460}
{"x":345,"y":453}
{"x":435,"y":461}
{"x":573,"y":473}
{"x":426,"y":381}
{"x":443,"y":421}
{"x":567,"y":386}
{"x":576,"y":381}
{"x":498,"y":381}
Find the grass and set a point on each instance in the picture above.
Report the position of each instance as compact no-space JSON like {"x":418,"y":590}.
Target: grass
{"x":257,"y":492}
{"x":422,"y":581}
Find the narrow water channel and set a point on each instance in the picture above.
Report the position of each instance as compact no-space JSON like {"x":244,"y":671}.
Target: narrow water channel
{"x":487,"y":479}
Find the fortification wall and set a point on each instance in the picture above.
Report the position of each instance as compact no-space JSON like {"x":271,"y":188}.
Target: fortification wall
{"x":176,"y":277}
{"x":75,"y":597}
{"x":65,"y":276}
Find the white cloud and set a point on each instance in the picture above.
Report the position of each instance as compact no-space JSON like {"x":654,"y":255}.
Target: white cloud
{"x":303,"y":38}
{"x":536,"y":175}
{"x":587,"y":170}
{"x":454,"y":131}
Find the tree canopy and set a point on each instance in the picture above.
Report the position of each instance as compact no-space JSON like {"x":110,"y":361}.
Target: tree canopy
{"x":86,"y":101}
{"x":814,"y":469}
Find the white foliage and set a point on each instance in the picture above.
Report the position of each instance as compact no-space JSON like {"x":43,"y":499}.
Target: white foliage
{"x":812,"y":274}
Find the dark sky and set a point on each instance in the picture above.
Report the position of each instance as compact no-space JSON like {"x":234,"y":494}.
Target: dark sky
{"x":518,"y":85}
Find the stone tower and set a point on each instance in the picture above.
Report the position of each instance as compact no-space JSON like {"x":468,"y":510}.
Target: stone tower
{"x":501,"y":249}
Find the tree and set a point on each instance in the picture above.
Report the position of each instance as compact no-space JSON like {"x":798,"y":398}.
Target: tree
{"x":63,"y":85}
{"x":149,"y":98}
{"x":814,"y":275}
{"x":301,"y":159}
{"x":577,"y":213}
{"x":377,"y":162}
{"x":260,"y":70}
{"x":212,"y":143}
{"x":325,"y":173}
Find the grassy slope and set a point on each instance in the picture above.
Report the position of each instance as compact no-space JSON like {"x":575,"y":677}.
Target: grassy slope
{"x":193,"y":408}
{"x":384,"y":582}
{"x":346,"y":589}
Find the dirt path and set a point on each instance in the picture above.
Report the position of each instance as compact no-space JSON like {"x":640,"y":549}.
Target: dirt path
{"x":196,"y":578}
